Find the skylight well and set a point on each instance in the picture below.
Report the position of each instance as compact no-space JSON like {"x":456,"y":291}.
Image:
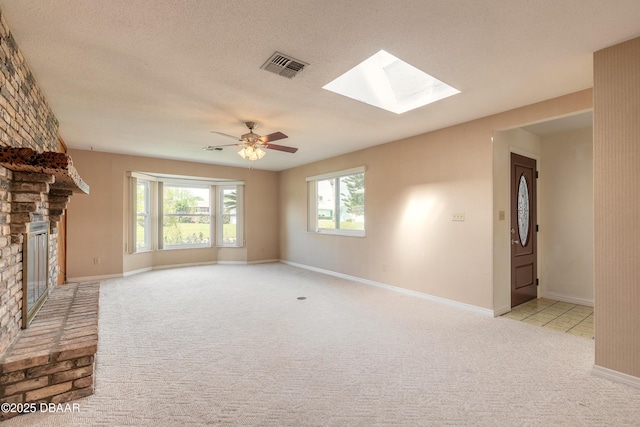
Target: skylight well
{"x":387,"y":82}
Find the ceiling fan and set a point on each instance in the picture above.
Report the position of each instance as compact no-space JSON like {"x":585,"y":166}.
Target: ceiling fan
{"x":251,"y":144}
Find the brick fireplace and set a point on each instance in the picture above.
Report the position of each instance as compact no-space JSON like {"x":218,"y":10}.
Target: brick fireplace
{"x":53,"y":359}
{"x":35,"y":189}
{"x":36,"y":180}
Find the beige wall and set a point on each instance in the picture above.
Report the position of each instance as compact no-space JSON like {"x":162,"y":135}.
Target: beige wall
{"x":413,"y":187}
{"x":616,"y":158}
{"x":96,"y":222}
{"x":565,"y":215}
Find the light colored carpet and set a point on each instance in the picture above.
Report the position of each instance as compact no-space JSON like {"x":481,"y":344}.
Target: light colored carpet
{"x":233,"y":345}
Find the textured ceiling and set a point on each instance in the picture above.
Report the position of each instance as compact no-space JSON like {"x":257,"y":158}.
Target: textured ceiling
{"x":153,"y":77}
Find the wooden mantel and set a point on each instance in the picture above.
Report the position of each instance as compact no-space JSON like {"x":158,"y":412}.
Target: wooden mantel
{"x":52,"y":163}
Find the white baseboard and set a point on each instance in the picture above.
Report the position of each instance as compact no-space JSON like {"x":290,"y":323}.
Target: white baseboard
{"x":263,"y":261}
{"x":134,"y":272}
{"x":451,"y":303}
{"x":565,"y":298}
{"x":189,"y":264}
{"x":616,"y":376}
{"x":502,"y":310}
{"x":93,"y":278}
{"x":260,"y":261}
{"x":164,"y":267}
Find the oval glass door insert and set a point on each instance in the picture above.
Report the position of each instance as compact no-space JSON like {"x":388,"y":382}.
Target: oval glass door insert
{"x":523,"y":210}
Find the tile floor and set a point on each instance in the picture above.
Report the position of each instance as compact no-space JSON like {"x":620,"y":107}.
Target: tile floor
{"x":561,"y":316}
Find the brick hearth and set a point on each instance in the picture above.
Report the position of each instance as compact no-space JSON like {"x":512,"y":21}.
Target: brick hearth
{"x":53,"y":360}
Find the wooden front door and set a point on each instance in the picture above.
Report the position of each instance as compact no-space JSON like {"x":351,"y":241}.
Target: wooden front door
{"x":523,"y":230}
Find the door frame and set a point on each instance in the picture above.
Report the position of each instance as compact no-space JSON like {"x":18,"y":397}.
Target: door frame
{"x":504,"y":143}
{"x":530,"y":256}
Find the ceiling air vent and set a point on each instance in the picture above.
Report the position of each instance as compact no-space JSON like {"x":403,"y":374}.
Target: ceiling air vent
{"x":284,"y":65}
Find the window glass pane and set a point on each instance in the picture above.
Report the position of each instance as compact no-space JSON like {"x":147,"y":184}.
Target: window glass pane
{"x":229,"y":215}
{"x":142,"y":215}
{"x":352,"y":202}
{"x":186,"y":216}
{"x":326,"y":204}
{"x":337,"y":203}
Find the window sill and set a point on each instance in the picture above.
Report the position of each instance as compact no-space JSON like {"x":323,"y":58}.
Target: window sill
{"x":178,"y":248}
{"x":347,"y":233}
{"x":173,"y":248}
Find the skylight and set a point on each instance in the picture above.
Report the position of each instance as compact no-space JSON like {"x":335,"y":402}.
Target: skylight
{"x":389,"y":83}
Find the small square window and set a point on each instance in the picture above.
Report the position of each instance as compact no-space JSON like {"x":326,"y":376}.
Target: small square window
{"x":336,"y":203}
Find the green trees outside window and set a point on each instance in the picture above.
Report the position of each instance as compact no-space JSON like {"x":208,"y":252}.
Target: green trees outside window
{"x":143,"y":207}
{"x":229,"y":215}
{"x":178,"y":212}
{"x":186,"y":216}
{"x":340,"y":203}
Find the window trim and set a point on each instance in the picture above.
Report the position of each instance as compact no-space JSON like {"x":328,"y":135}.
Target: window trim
{"x":312,"y":203}
{"x":131,"y":244}
{"x":147,"y":219}
{"x":239,"y":216}
{"x":351,"y":171}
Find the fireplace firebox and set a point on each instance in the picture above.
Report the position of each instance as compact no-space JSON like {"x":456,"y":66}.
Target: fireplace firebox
{"x":35,"y":254}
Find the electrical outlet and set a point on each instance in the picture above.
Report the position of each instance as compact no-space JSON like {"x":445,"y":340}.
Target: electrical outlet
{"x":458,"y":216}
{"x":96,"y":261}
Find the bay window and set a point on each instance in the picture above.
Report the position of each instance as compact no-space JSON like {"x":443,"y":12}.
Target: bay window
{"x":170,"y":212}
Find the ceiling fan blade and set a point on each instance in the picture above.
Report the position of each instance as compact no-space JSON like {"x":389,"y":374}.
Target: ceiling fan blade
{"x":213,"y":147}
{"x":280,"y":148}
{"x":226,"y":134}
{"x":273,"y":137}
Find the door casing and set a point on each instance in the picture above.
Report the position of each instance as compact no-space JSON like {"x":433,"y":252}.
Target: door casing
{"x":523,"y":238}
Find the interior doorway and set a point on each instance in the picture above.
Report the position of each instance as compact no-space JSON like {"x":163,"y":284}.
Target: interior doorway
{"x":563,"y":150}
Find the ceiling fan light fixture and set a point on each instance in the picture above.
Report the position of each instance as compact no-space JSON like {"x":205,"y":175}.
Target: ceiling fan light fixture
{"x":251,"y":144}
{"x":251,"y":153}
